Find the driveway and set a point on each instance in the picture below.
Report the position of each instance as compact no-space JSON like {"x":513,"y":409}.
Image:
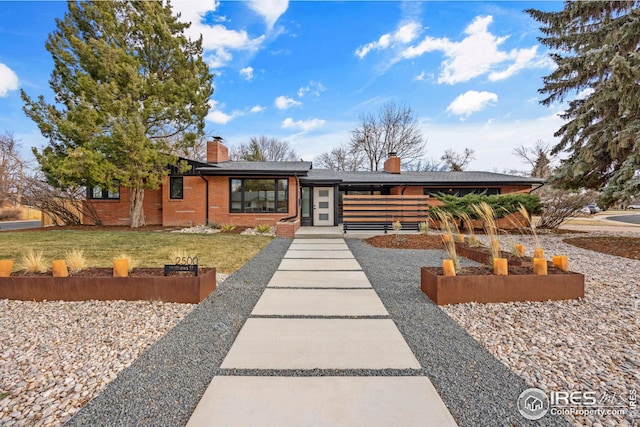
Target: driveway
{"x":19,"y":225}
{"x":627,"y":219}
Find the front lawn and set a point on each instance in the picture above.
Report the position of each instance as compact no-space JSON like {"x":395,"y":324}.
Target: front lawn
{"x":225,"y":252}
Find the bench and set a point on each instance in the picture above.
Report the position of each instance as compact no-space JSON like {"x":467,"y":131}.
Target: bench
{"x":377,"y":226}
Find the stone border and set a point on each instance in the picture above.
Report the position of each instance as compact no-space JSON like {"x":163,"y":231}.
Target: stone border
{"x":181,"y":289}
{"x":445,"y":290}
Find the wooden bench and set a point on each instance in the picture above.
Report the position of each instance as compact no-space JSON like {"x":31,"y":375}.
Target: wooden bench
{"x":377,"y":226}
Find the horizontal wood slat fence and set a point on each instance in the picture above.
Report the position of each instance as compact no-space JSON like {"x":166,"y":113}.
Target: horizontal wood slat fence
{"x":380,"y":212}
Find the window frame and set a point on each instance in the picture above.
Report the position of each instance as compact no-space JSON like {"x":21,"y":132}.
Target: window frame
{"x":173,"y":179}
{"x":276,"y":200}
{"x":105,"y":193}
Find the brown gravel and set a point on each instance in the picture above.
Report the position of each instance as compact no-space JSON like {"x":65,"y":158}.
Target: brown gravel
{"x":627,"y":247}
{"x":623,"y":246}
{"x":406,"y":241}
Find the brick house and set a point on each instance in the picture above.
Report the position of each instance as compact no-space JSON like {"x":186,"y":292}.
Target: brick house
{"x":221,"y":191}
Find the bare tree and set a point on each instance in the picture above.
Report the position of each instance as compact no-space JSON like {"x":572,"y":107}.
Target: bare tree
{"x":560,"y":205}
{"x":457,"y":162}
{"x":392,"y":129}
{"x":64,"y":206}
{"x":197,"y":150}
{"x":261,"y":149}
{"x":427,"y":165}
{"x":537,"y":157}
{"x":341,"y":158}
{"x":12,"y":169}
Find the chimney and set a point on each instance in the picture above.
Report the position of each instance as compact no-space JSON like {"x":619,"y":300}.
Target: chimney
{"x":217,"y":152}
{"x":392,"y":164}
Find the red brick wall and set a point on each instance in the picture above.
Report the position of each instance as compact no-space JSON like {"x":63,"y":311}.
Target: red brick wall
{"x":116,"y":212}
{"x":188,"y":211}
{"x":219,"y":188}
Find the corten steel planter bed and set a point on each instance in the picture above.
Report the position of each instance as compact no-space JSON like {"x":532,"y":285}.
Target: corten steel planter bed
{"x":177,"y":288}
{"x":463,"y":288}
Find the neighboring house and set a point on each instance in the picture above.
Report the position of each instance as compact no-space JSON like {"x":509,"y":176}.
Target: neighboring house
{"x":250,"y":193}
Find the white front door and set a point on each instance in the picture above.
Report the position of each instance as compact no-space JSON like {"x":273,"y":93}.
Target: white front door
{"x":323,"y":206}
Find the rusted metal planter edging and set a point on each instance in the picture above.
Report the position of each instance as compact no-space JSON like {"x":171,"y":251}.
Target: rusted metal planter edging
{"x":182,"y":289}
{"x":445,"y":290}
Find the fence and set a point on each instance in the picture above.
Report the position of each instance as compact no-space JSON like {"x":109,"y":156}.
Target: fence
{"x":383,"y":211}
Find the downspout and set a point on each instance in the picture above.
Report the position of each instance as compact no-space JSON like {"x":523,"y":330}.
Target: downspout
{"x":206,"y":198}
{"x":297,"y":200}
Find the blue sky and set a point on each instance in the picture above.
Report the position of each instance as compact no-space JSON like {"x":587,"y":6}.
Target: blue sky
{"x":304,"y":71}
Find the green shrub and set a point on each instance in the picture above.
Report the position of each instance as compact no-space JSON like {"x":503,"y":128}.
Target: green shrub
{"x":502,"y":205}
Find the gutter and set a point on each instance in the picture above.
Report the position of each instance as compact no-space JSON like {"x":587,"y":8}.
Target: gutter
{"x":206,"y":198}
{"x":297,"y":200}
{"x":537,"y":188}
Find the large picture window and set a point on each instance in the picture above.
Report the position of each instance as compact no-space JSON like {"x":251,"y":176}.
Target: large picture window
{"x":259,"y":195}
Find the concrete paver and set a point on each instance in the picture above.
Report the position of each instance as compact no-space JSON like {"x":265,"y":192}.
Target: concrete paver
{"x":276,"y":343}
{"x":317,"y":241}
{"x":319,"y":264}
{"x":318,"y":247}
{"x":319,"y":279}
{"x":321,"y":401}
{"x":346,"y":254}
{"x":319,"y":302}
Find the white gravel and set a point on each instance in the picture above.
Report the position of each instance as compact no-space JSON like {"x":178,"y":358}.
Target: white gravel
{"x":588,"y":345}
{"x":56,"y":356}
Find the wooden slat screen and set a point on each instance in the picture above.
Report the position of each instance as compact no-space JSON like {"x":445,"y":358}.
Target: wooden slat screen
{"x":385,"y":208}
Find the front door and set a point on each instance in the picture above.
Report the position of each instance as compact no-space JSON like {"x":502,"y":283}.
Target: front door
{"x":323,"y":206}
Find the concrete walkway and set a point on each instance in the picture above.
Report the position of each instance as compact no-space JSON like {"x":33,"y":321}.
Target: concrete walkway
{"x":318,"y":350}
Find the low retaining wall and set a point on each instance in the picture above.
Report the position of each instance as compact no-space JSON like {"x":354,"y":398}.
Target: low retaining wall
{"x":182,"y":289}
{"x":445,"y":290}
{"x":287,"y":229}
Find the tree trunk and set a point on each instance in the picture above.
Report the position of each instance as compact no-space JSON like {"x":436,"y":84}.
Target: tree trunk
{"x":136,"y":199}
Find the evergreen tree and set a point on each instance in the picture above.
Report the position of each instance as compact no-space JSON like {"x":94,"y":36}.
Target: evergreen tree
{"x":128,"y":83}
{"x":596,"y":48}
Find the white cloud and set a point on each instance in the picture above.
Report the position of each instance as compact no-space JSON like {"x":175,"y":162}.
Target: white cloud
{"x":8,"y":80}
{"x":420,"y":77}
{"x":314,"y":88}
{"x":471,"y":102}
{"x":247,"y":73}
{"x":284,"y":103}
{"x":270,"y":10}
{"x":403,"y":35}
{"x":217,"y":40}
{"x":257,"y":109}
{"x":304,"y":125}
{"x":477,"y":54}
{"x":216,"y":115}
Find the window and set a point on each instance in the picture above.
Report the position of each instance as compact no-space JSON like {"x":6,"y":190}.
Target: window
{"x":259,"y":195}
{"x":176,"y":187}
{"x":98,"y":193}
{"x":459,"y":191}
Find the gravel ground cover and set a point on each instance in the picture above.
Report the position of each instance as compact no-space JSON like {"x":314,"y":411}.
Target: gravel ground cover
{"x":164,"y":385}
{"x":56,"y":356}
{"x":586,"y":345}
{"x":476,"y":387}
{"x":516,"y":345}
